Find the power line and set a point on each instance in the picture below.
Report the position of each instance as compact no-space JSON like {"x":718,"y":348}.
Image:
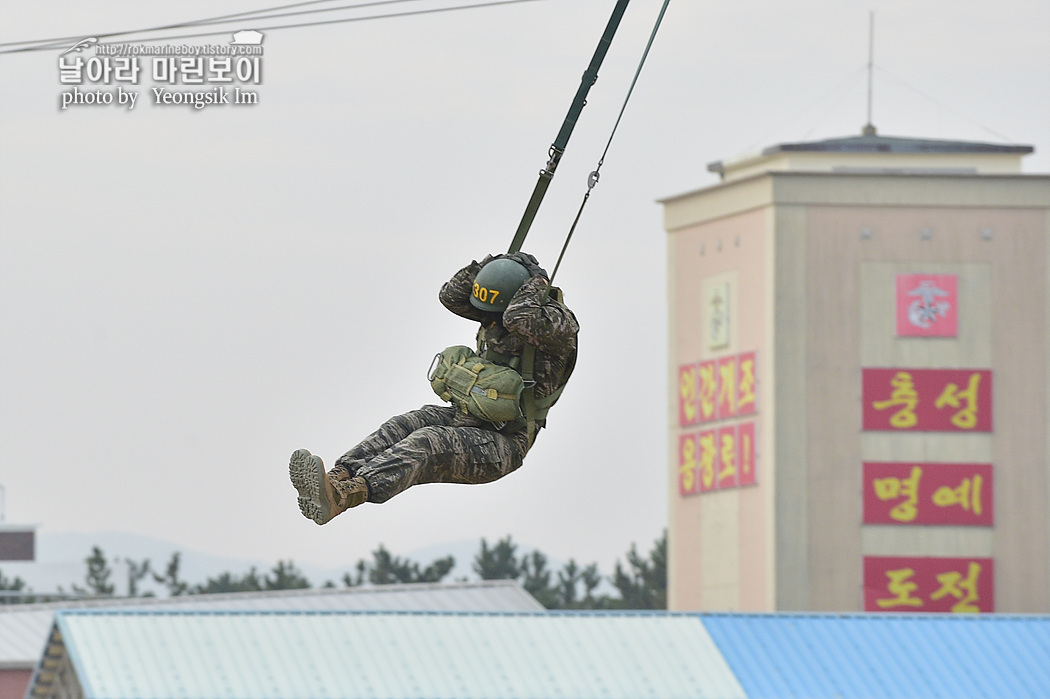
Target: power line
{"x":40,"y":43}
{"x":53,"y":44}
{"x":940,"y":104}
{"x":849,"y":80}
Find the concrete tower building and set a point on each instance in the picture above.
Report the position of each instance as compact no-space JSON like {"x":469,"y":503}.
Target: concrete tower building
{"x":859,"y":380}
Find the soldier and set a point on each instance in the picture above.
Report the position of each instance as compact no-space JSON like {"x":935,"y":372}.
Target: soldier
{"x":511,"y":297}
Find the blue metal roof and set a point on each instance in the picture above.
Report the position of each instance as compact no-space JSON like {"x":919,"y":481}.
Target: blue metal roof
{"x":886,"y":656}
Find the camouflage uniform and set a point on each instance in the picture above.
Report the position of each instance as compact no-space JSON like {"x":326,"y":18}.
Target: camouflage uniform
{"x":440,"y":444}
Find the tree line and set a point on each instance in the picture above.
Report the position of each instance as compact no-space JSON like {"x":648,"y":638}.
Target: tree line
{"x":640,"y":582}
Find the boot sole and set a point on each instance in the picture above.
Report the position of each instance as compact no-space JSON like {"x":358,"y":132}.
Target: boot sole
{"x":307,"y":474}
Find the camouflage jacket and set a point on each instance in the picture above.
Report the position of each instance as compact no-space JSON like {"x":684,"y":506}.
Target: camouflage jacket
{"x":550,"y":326}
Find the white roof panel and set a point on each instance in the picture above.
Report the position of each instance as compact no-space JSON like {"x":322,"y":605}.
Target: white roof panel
{"x":146,"y":655}
{"x":24,"y":627}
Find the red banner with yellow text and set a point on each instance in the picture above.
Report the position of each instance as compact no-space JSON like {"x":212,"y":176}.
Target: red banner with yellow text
{"x":746,"y":453}
{"x":927,"y":400}
{"x":718,"y":389}
{"x":688,"y":394}
{"x":688,"y":465}
{"x":746,"y":384}
{"x":914,"y":584}
{"x":928,"y":493}
{"x":717,"y":459}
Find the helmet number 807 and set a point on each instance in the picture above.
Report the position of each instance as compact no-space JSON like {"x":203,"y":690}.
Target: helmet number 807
{"x":485,"y":295}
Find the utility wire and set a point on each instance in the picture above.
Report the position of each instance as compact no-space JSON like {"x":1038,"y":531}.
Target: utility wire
{"x":833,"y":109}
{"x":55,"y":44}
{"x":40,"y":43}
{"x":944,"y":106}
{"x":833,"y":92}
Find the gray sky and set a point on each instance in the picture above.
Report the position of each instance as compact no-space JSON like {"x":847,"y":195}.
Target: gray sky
{"x":188,"y":296}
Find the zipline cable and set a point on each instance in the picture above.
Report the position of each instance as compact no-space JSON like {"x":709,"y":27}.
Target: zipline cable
{"x":592,"y":179}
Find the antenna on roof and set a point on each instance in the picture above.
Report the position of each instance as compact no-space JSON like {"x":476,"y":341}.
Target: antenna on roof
{"x":869,"y":128}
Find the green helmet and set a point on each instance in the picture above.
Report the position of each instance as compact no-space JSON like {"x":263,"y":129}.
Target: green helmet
{"x":496,"y":283}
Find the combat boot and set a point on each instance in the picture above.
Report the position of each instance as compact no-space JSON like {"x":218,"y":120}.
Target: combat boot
{"x":322,"y":497}
{"x":340,"y":473}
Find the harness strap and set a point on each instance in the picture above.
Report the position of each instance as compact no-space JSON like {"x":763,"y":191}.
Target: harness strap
{"x":491,"y":355}
{"x":536,"y":408}
{"x":528,"y":396}
{"x":562,"y":140}
{"x":593,"y":178}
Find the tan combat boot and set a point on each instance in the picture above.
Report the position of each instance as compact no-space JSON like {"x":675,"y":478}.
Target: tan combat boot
{"x":339,"y":473}
{"x":322,"y":497}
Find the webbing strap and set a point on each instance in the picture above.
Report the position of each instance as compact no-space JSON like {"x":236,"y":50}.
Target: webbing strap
{"x":528,"y":396}
{"x":492,"y":355}
{"x":562,"y":140}
{"x":592,"y":179}
{"x":536,"y":408}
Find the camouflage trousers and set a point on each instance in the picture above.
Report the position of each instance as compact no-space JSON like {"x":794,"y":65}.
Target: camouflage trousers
{"x":435,"y":444}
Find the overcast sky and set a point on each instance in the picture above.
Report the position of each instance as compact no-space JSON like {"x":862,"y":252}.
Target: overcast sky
{"x":188,"y":296}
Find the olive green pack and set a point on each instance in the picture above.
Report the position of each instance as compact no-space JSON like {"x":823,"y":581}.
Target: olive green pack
{"x":482,"y":388}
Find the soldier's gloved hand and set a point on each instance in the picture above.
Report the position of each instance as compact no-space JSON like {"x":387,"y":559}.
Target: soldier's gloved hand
{"x":474,"y":267}
{"x":528,"y":262}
